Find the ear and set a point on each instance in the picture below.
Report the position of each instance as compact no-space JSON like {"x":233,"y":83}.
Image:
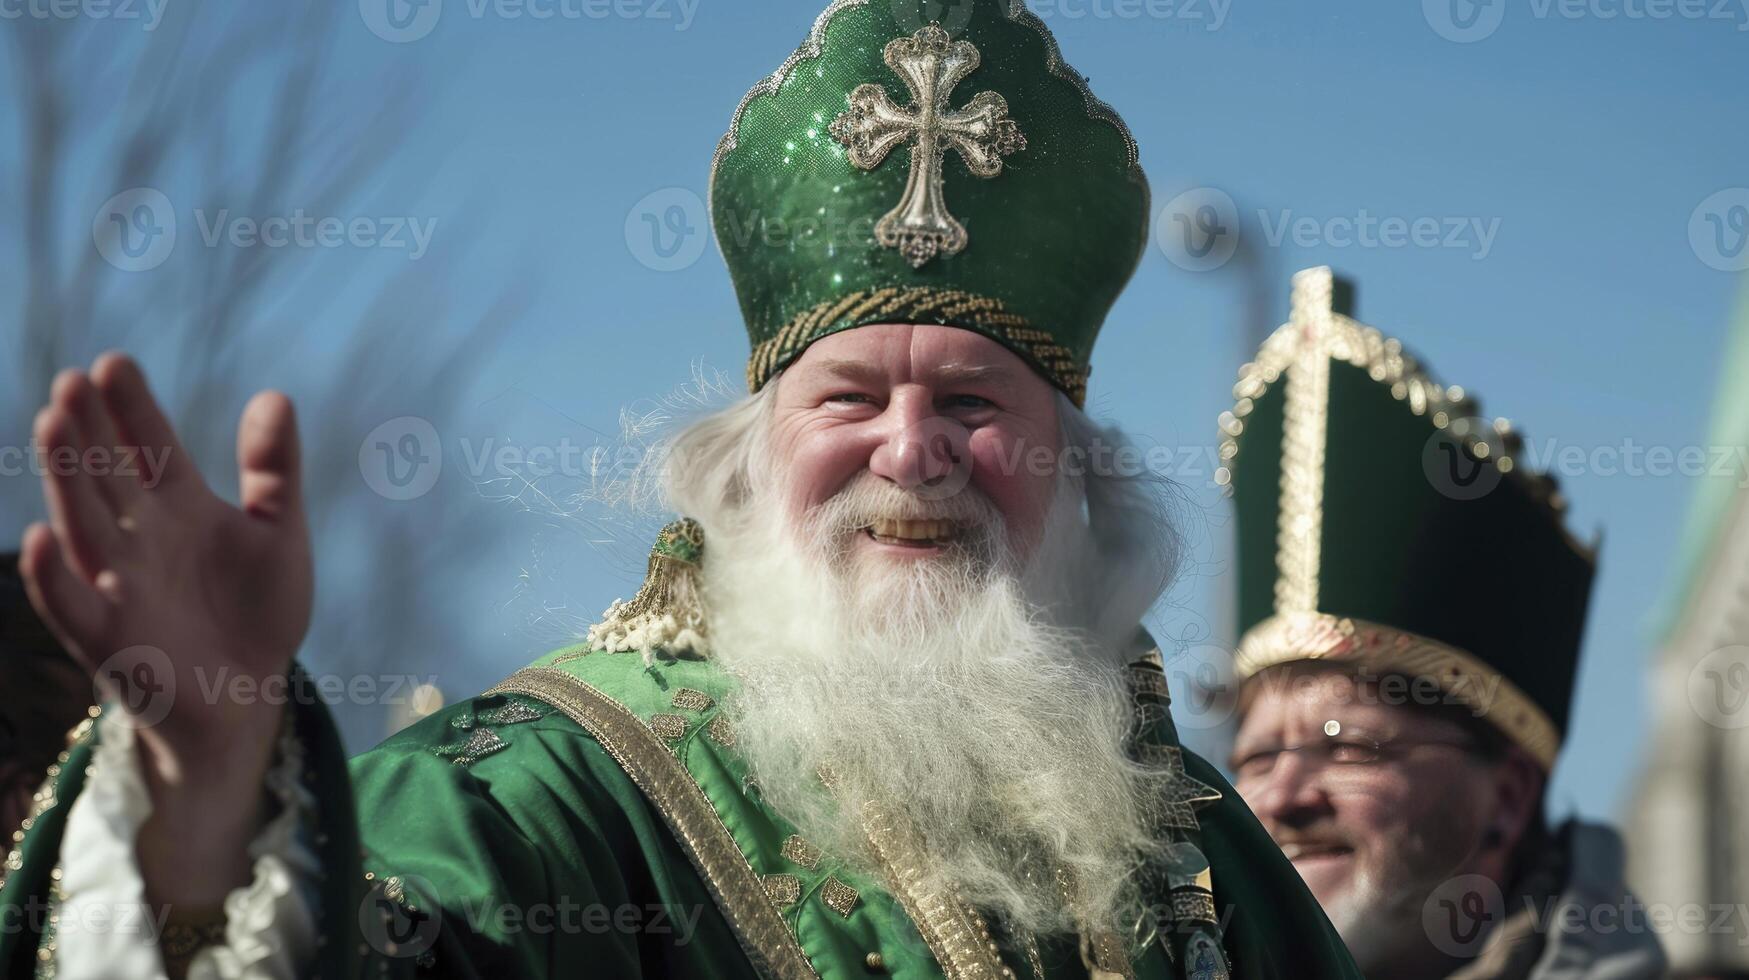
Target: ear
{"x":1518,"y":792}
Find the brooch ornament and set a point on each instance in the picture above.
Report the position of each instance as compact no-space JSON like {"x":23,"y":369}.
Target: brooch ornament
{"x":981,"y":133}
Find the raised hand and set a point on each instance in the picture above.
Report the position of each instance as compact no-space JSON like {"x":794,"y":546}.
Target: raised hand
{"x":143,"y":570}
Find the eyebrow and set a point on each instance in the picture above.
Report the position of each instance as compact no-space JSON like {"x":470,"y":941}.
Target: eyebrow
{"x":860,"y":371}
{"x":958,"y":372}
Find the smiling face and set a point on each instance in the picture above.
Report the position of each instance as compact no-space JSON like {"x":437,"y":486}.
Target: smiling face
{"x":911,"y":416}
{"x":917,"y":578}
{"x":1376,"y":802}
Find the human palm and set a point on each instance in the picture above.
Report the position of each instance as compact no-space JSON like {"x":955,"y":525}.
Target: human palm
{"x":143,"y":571}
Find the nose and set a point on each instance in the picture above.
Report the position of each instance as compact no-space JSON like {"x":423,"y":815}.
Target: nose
{"x":920,"y":450}
{"x":1289,"y":795}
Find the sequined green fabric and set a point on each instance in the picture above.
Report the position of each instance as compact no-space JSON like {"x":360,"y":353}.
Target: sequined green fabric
{"x":1039,"y":176}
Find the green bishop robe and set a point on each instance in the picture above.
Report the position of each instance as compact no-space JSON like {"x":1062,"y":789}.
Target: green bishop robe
{"x":590,"y":817}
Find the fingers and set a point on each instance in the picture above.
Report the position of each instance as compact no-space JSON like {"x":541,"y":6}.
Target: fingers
{"x":269,"y":459}
{"x":141,"y":423}
{"x":74,"y":611}
{"x":115,"y":468}
{"x":81,"y":518}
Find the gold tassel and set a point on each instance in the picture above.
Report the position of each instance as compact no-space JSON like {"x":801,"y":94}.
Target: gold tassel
{"x":668,"y":611}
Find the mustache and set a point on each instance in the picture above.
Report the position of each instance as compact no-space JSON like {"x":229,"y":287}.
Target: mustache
{"x":868,"y":499}
{"x":1311,"y":837}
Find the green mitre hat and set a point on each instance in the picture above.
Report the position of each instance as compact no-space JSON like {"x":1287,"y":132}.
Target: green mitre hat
{"x":948,"y":170}
{"x":1383,"y":525}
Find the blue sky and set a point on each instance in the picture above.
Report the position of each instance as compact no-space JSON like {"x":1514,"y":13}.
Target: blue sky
{"x":1582,"y":136}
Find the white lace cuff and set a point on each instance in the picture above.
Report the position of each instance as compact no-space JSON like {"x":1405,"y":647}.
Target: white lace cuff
{"x":270,"y":926}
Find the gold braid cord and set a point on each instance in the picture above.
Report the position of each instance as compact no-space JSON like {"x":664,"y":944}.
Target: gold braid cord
{"x":956,"y":933}
{"x":921,"y":304}
{"x":1386,"y":649}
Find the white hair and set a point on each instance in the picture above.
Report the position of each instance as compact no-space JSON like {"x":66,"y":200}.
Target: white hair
{"x":710,"y":469}
{"x":980,"y":692}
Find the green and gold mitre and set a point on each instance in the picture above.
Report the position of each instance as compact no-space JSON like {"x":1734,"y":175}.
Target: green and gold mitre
{"x":1382,"y":524}
{"x":934,"y":163}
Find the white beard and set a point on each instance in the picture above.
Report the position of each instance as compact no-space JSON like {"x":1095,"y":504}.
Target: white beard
{"x":971,"y":691}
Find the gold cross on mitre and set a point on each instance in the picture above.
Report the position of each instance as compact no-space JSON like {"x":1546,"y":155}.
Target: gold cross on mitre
{"x":931,"y":66}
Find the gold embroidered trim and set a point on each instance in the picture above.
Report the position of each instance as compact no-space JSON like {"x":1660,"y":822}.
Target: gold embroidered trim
{"x":687,"y":699}
{"x":514,"y":713}
{"x":48,"y":964}
{"x":667,"y":613}
{"x":669,"y":728}
{"x":481,"y":743}
{"x":1194,"y":905}
{"x":1149,"y":684}
{"x":1186,"y":794}
{"x":44,"y":799}
{"x":932,"y":65}
{"x":1320,"y":636}
{"x":838,"y":896}
{"x":797,"y":849}
{"x":1340,"y":338}
{"x":1385,"y":362}
{"x":737,"y":889}
{"x":1300,"y":523}
{"x":920,"y":304}
{"x":784,"y":889}
{"x":721,"y":732}
{"x":955,"y":933}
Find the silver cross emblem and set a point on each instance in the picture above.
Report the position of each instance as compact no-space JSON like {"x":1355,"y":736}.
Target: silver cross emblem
{"x":982,"y":134}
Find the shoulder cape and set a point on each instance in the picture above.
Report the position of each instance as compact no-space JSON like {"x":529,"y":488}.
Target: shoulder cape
{"x":589,"y":817}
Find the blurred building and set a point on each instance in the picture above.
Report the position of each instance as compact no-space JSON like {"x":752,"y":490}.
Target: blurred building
{"x":1689,"y":821}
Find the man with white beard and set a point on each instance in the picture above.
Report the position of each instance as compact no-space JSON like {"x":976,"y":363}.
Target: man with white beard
{"x":1412,"y":606}
{"x":882,"y":705}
